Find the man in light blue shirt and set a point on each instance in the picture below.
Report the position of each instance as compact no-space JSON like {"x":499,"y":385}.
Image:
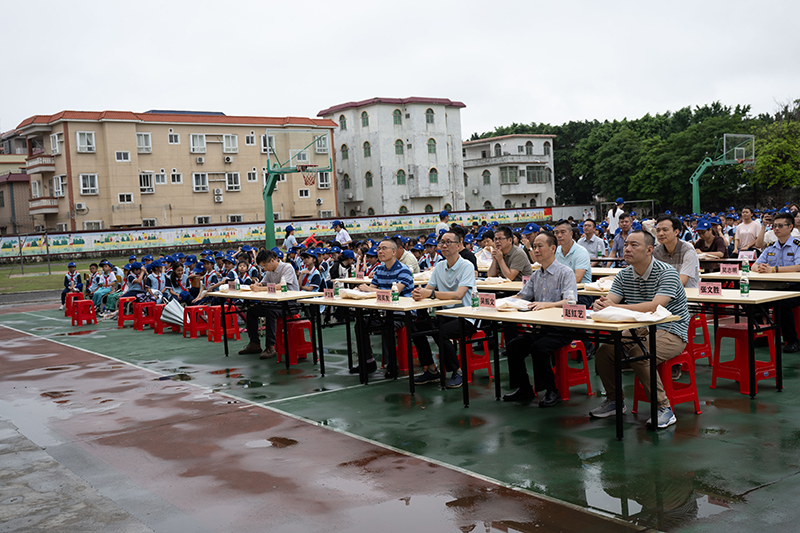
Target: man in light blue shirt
{"x":574,"y":256}
{"x":452,"y":279}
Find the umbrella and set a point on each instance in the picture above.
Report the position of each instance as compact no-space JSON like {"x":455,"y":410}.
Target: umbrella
{"x":172,"y":313}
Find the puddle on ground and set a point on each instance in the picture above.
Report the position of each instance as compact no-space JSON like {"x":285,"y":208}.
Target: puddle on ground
{"x":56,"y":394}
{"x":57,"y":368}
{"x":249,"y":384}
{"x":468,"y":421}
{"x":175,"y":377}
{"x":227,"y":372}
{"x":44,"y":328}
{"x":404,"y":399}
{"x":291,"y":371}
{"x":282,"y":442}
{"x":74,"y":333}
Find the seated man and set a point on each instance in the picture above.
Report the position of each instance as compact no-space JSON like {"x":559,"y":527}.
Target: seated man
{"x":679,"y":254}
{"x":275,"y":271}
{"x":591,"y":242}
{"x":452,"y":279}
{"x":575,"y":257}
{"x":783,"y":256}
{"x":644,"y":285}
{"x":510,"y":262}
{"x":547,"y":287}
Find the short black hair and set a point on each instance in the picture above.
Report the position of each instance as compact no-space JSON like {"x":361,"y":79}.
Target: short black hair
{"x":265,"y":256}
{"x":488,"y":234}
{"x":562,"y":222}
{"x":623,"y":216}
{"x":93,"y":265}
{"x":398,"y":241}
{"x":677,"y":225}
{"x":787,"y":216}
{"x":649,"y":240}
{"x":506,"y":231}
{"x":458,"y":230}
{"x":590,"y":220}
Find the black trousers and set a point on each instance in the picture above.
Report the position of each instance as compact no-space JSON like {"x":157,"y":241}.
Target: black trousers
{"x":450,"y":331}
{"x":271,"y":312}
{"x":541,"y":345}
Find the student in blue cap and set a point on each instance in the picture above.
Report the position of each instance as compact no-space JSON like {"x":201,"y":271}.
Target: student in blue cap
{"x":309,"y":278}
{"x":290,"y":241}
{"x":342,"y":237}
{"x":178,"y":284}
{"x":134,"y":283}
{"x":371,"y":257}
{"x":156,"y":282}
{"x":131,"y":259}
{"x":613,"y":215}
{"x":444,"y":218}
{"x":72,"y":283}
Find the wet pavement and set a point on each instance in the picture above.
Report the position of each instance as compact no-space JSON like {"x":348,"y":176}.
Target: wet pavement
{"x":167,"y":434}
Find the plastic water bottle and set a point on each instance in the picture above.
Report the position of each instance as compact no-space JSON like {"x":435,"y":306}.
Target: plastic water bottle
{"x":284,"y":288}
{"x":475,"y":300}
{"x":745,"y":265}
{"x":599,"y":252}
{"x":571,"y":298}
{"x":395,"y":294}
{"x":238,"y":284}
{"x":744,"y":281}
{"x":336,"y":286}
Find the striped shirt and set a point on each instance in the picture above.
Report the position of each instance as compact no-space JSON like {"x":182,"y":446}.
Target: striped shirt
{"x":383,"y":278}
{"x":660,"y":279}
{"x":550,"y":284}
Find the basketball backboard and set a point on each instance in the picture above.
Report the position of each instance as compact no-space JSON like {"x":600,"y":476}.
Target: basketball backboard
{"x":738,"y":147}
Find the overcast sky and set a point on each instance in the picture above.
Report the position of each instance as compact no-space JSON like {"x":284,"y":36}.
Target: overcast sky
{"x":517,"y":61}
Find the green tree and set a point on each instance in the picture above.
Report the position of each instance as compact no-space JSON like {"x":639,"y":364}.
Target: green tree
{"x":778,"y":152}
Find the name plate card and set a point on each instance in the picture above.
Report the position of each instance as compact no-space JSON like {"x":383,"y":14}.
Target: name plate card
{"x":710,"y":288}
{"x":383,"y":297}
{"x":360,"y":275}
{"x":749,"y":254}
{"x":486,"y":300}
{"x":574,"y":312}
{"x":525,"y":280}
{"x":271,"y":288}
{"x":729,"y":268}
{"x":327,"y":294}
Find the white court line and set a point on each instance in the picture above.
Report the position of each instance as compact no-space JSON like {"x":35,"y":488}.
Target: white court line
{"x":45,"y":317}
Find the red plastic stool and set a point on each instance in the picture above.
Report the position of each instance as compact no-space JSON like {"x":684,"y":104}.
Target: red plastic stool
{"x":699,"y":350}
{"x":402,"y":350}
{"x":568,"y":376}
{"x":195,"y":320}
{"x":478,"y":361}
{"x":159,"y":326}
{"x":215,"y":324}
{"x":121,"y":316}
{"x":676,"y":391}
{"x":738,"y":369}
{"x":71,"y":297}
{"x":83,"y":311}
{"x":299,"y":346}
{"x":144,"y":314}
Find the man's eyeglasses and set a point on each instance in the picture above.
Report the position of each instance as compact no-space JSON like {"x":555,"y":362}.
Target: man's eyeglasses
{"x":498,"y":239}
{"x":447,"y":243}
{"x":780,"y":226}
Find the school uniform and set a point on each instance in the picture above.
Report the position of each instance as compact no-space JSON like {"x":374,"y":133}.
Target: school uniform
{"x":157,"y":284}
{"x":71,"y":279}
{"x":179,"y":288}
{"x":133,"y":286}
{"x":105,"y":284}
{"x":311,"y":278}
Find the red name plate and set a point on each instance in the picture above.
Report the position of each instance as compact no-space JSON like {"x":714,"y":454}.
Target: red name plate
{"x":574,"y":312}
{"x":710,"y":288}
{"x":486,"y":299}
{"x":750,"y":254}
{"x":729,"y":268}
{"x":328,"y":294}
{"x":359,"y":275}
{"x":384,"y":297}
{"x":525,"y":279}
{"x":271,"y":288}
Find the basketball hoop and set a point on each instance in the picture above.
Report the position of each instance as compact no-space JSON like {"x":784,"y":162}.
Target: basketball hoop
{"x":309,"y":173}
{"x":748,"y":164}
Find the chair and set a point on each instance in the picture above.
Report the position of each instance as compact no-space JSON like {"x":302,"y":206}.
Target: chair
{"x":477,"y":361}
{"x":121,"y":316}
{"x":738,"y":369}
{"x":402,"y":350}
{"x":215,"y":324}
{"x":676,"y":391}
{"x":195,"y":320}
{"x":83,"y":311}
{"x":568,"y":376}
{"x":159,"y":326}
{"x":703,"y":349}
{"x":299,"y":346}
{"x":71,"y":297}
{"x":144,"y":314}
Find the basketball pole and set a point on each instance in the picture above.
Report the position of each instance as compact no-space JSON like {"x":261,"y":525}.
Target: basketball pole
{"x":704,"y":165}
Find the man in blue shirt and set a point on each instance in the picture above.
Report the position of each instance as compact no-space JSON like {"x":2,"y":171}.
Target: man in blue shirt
{"x":452,"y":279}
{"x":575,"y":257}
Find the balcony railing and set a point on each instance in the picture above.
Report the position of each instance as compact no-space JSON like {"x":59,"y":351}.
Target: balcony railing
{"x":40,"y":164}
{"x":43,"y":206}
{"x":521,"y":159}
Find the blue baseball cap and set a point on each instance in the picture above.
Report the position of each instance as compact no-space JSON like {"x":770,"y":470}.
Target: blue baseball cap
{"x":336,"y":250}
{"x":547,"y":227}
{"x":374,"y":251}
{"x":417,"y":247}
{"x":703,"y":225}
{"x":229,"y":259}
{"x":180,"y":255}
{"x":337,"y":223}
{"x":312,"y":252}
{"x":430,"y":242}
{"x":246,"y":248}
{"x":715,"y":220}
{"x":443,"y":214}
{"x":198,"y":269}
{"x":289,"y":228}
{"x":530,"y":228}
{"x":667,"y":212}
{"x":431,"y":235}
{"x":105,"y":262}
{"x":207,"y":260}
{"x":620,"y":200}
{"x":731,"y":209}
{"x":132,"y":258}
{"x":136,"y":265}
{"x":148,"y":257}
{"x":127,"y":266}
{"x":324,"y":250}
{"x":71,"y":264}
{"x":157,"y":263}
{"x":349,"y":254}
{"x":469,"y":238}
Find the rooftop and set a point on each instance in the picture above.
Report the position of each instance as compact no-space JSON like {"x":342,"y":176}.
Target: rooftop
{"x":396,"y":101}
{"x":514,"y":136}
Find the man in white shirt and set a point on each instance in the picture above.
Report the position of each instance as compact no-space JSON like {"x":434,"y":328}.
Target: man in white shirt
{"x":675,"y":252}
{"x":444,"y":218}
{"x":591,"y":242}
{"x":342,"y":237}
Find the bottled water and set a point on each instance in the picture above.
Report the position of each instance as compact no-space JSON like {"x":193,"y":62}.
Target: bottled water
{"x":336,"y":286}
{"x":395,"y":294}
{"x":571,"y":298}
{"x":284,"y":288}
{"x":475,"y":301}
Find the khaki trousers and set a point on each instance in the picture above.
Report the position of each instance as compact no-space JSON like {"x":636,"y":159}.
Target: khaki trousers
{"x":668,"y":345}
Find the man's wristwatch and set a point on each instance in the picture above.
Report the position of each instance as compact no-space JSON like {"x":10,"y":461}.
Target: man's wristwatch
{"x":433,"y":294}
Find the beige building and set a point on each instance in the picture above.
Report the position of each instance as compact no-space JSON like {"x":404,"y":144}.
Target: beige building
{"x":117,"y":169}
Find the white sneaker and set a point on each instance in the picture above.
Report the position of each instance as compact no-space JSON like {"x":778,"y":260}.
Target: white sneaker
{"x":665,"y":418}
{"x":61,"y":308}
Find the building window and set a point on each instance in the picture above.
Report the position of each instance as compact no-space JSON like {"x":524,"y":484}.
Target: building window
{"x":202,"y":220}
{"x":546,"y":148}
{"x":326,"y":214}
{"x":55,"y":143}
{"x":88,"y":184}
{"x":346,"y":181}
{"x":549,"y":202}
{"x":364,"y":119}
{"x":403,"y":210}
{"x":321,"y":145}
{"x":487,"y":177}
{"x":2,"y":198}
{"x":61,"y":226}
{"x":149,"y":222}
{"x":367,"y":149}
{"x":370,"y":211}
{"x":250,"y":140}
{"x":431,"y":146}
{"x":342,"y":123}
{"x":401,"y":177}
{"x":398,"y":147}
{"x":143,"y":143}
{"x":429,"y":208}
{"x":538,"y":174}
{"x":508,"y":204}
{"x":93,"y":225}
{"x":161,"y":178}
{"x":235,"y":218}
{"x":352,"y":212}
{"x":498,"y":150}
{"x":466,"y":180}
{"x":520,"y":149}
{"x":268,"y":144}
{"x":146,"y":183}
{"x":176,"y":178}
{"x":448,"y":207}
{"x":86,"y":141}
{"x":368,"y":179}
{"x":533,"y":202}
{"x":397,"y":117}
{"x":508,"y":175}
{"x":174,"y":138}
{"x":429,"y":115}
{"x":122,"y":157}
{"x":199,"y":182}
{"x":59,"y":185}
{"x":323,"y":180}
{"x":230,"y":143}
{"x":125,"y":198}
{"x":304,"y":193}
{"x":433,"y":175}
{"x":252,"y":175}
{"x":528,"y":148}
{"x":198,"y":143}
{"x":36,"y":189}
{"x":488,"y":204}
{"x":345,"y":151}
{"x":232,"y":182}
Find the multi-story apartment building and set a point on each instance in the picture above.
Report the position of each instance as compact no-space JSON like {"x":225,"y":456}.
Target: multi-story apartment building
{"x":509,"y":171}
{"x":116,"y":169}
{"x":398,"y":155}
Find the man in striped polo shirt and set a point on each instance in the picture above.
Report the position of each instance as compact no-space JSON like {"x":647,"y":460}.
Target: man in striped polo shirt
{"x":644,"y":285}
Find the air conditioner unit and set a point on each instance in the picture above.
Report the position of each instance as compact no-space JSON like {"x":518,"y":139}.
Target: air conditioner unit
{"x":358,"y":208}
{"x":201,"y":160}
{"x":404,"y":197}
{"x":228,"y":159}
{"x":319,"y":201}
{"x":80,"y":206}
{"x":340,"y":171}
{"x":218,"y":199}
{"x":349,"y":196}
{"x":217,"y":191}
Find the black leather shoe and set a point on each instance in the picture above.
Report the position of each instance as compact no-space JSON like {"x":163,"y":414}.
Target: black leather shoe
{"x":791,"y":348}
{"x":521,"y":394}
{"x":550,"y":399}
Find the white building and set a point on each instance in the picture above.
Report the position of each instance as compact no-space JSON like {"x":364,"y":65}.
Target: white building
{"x":398,"y":155}
{"x":509,"y":171}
